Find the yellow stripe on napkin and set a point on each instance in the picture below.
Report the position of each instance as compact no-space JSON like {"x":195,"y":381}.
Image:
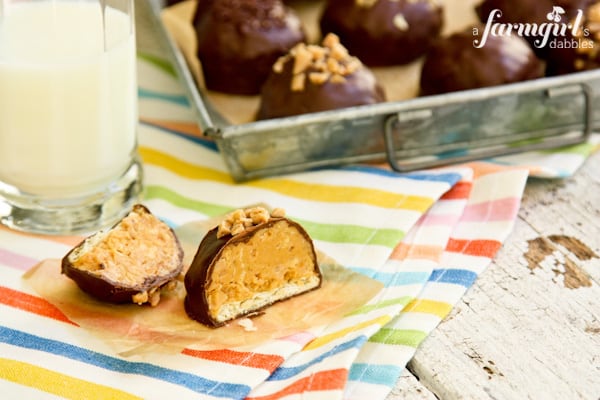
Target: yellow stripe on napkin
{"x":323,"y":340}
{"x":309,"y":191}
{"x":437,"y":308}
{"x":57,"y":383}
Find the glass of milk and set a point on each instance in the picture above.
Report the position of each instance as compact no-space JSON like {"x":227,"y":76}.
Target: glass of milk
{"x":68,"y":114}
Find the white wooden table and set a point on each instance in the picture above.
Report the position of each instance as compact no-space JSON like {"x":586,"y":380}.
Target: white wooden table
{"x":529,"y":328}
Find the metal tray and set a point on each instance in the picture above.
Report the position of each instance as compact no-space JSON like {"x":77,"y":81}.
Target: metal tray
{"x":411,"y":134}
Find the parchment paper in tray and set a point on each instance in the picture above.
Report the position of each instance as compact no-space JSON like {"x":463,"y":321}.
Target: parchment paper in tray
{"x":131,"y":329}
{"x":400,"y":82}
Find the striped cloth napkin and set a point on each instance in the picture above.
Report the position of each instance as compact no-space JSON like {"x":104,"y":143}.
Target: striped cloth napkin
{"x":425,"y":236}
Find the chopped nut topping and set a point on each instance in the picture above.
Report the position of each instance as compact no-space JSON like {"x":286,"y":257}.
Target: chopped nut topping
{"x":298,"y":82}
{"x":237,"y":221}
{"x":400,"y":22}
{"x":331,"y":40}
{"x":154,"y":297}
{"x":258,"y":215}
{"x":319,"y":77}
{"x":278,"y":213}
{"x":278,"y":66}
{"x":140,"y":298}
{"x":337,"y":78}
{"x":330,"y":62}
{"x":237,"y":229}
{"x":224,"y":229}
{"x":302,"y":60}
{"x":339,"y":52}
{"x":318,"y":53}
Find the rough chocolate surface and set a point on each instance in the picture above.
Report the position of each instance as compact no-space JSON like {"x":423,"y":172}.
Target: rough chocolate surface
{"x":384,"y":32}
{"x":239,"y":40}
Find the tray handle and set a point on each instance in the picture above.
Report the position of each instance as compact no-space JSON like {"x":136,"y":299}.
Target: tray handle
{"x":425,"y":159}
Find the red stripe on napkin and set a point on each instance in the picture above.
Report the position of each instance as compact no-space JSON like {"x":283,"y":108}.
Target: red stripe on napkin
{"x":460,"y":190}
{"x":326,"y":380}
{"x":247,"y":359}
{"x":483,"y":248}
{"x":33,"y":304}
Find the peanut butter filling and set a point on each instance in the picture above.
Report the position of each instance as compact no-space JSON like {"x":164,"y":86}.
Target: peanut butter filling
{"x":273,"y":264}
{"x":140,"y":247}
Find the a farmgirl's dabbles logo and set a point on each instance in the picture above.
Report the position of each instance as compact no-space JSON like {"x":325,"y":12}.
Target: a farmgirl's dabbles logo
{"x":555,"y":33}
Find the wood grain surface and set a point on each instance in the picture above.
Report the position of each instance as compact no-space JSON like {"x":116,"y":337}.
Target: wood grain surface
{"x":529,"y":328}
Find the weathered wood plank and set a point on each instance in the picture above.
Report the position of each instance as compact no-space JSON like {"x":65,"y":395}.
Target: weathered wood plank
{"x":409,"y":388}
{"x":530,"y":326}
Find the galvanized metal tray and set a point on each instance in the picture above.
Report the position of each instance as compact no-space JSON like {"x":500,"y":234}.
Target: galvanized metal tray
{"x":410,"y":134}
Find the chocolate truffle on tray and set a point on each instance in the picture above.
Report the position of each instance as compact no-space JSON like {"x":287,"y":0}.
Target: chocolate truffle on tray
{"x":454,"y":63}
{"x":384,"y":32}
{"x":313,"y":78}
{"x":239,"y":40}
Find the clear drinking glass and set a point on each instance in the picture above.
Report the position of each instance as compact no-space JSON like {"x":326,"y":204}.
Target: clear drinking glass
{"x":68,"y":114}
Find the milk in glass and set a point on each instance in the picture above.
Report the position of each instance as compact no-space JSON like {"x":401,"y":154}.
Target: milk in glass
{"x":80,"y":131}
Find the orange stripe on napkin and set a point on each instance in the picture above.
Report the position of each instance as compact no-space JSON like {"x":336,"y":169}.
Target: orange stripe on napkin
{"x":244,"y":358}
{"x":485,"y":168}
{"x":56,"y":383}
{"x":482,"y":248}
{"x":418,"y":251}
{"x":181,"y":127}
{"x":33,"y":304}
{"x":334,"y":379}
{"x":460,"y":190}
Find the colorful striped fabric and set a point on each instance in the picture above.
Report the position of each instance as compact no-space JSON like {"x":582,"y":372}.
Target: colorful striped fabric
{"x":485,"y":223}
{"x":400,"y":229}
{"x":404,"y":274}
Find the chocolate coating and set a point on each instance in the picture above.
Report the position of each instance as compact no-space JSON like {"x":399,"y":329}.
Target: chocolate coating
{"x":280,"y":98}
{"x":210,"y":249}
{"x":239,"y":40}
{"x":387,"y":32}
{"x":112,"y":291}
{"x":454,"y":63}
{"x":196,"y":303}
{"x":277,"y":100}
